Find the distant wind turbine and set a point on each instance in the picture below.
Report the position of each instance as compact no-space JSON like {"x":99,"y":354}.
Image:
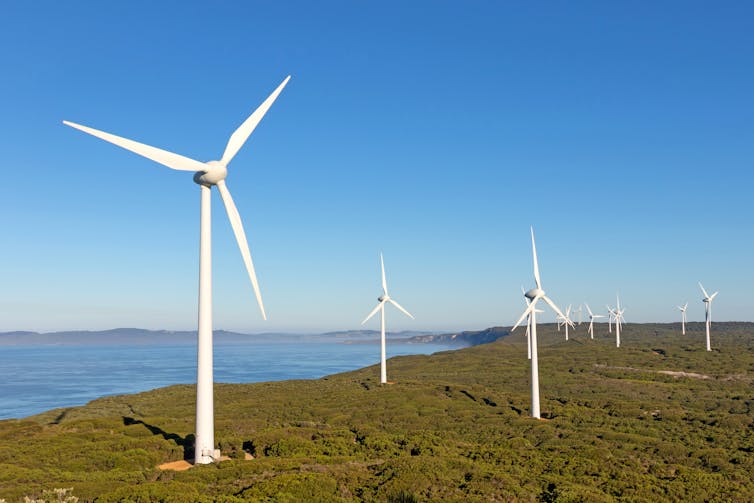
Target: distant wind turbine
{"x":206,"y":175}
{"x":383,"y":299}
{"x":565,"y":321}
{"x":707,"y":312}
{"x":534,"y":295}
{"x":610,"y":316}
{"x":618,"y":314}
{"x":578,"y":311}
{"x":683,"y":317}
{"x":591,"y":320}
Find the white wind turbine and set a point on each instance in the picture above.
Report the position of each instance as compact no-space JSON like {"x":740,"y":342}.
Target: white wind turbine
{"x":610,"y":316}
{"x":565,"y":321}
{"x":206,"y":175}
{"x":591,"y":320}
{"x":534,"y":295}
{"x":578,"y":311}
{"x":383,"y":299}
{"x":683,"y":317}
{"x":707,"y":312}
{"x":618,"y":315}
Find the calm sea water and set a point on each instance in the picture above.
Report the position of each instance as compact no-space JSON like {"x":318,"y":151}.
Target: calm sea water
{"x":36,"y":379}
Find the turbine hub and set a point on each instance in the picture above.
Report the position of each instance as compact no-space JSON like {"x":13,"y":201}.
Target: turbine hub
{"x":215,"y":172}
{"x":534,"y":293}
{"x":383,"y":298}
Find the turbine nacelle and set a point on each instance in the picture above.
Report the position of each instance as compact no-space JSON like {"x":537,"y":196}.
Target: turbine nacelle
{"x":383,"y":298}
{"x":215,"y":172}
{"x":534,"y":293}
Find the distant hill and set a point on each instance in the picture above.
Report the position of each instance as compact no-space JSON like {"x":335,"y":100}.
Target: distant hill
{"x":466,"y":338}
{"x":126,"y":336}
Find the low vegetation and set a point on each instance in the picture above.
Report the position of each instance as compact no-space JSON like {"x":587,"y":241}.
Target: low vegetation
{"x":658,"y":419}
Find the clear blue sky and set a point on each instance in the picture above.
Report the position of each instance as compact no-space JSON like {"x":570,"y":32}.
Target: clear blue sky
{"x":435,"y":131}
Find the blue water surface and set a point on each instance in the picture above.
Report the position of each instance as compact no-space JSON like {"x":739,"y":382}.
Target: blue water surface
{"x":36,"y":379}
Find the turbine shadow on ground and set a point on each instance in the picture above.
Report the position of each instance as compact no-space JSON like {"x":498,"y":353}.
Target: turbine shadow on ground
{"x":186,"y":442}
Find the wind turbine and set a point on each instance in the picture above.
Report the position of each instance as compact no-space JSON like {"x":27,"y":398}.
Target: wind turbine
{"x":610,"y":316}
{"x":383,"y":299}
{"x":534,"y":295}
{"x":683,"y":317}
{"x":618,"y":314}
{"x":591,"y":320}
{"x":579,"y":311}
{"x":206,"y":175}
{"x":565,"y":321}
{"x":707,"y":312}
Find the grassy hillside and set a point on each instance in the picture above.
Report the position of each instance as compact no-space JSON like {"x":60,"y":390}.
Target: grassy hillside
{"x":454,"y":427}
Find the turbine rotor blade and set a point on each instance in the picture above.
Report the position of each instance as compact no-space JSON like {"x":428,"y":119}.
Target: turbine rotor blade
{"x":374,"y":311}
{"x":240,"y":135}
{"x":401,"y":308}
{"x":384,"y":281}
{"x":588,"y":310}
{"x":713,"y":295}
{"x":169,"y":159}
{"x":527,"y":312}
{"x":553,"y":306}
{"x":536,"y":264}
{"x":703,"y":290}
{"x":243,"y":245}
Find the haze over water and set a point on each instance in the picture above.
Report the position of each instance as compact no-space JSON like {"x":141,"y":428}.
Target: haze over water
{"x":36,"y":379}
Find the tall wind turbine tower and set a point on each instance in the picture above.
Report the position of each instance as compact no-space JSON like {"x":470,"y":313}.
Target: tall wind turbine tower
{"x":591,"y":320}
{"x":708,"y":312}
{"x":206,"y":175}
{"x":534,"y":295}
{"x":383,"y":299}
{"x":683,"y":317}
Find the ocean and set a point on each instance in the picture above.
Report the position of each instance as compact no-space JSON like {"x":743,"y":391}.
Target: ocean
{"x":36,"y":379}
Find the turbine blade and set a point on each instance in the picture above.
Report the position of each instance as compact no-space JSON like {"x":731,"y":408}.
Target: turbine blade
{"x":384,"y":281}
{"x":526,"y":313}
{"x":536,"y":265}
{"x":169,"y":159}
{"x":713,"y":295}
{"x":553,"y":306}
{"x":703,"y":290}
{"x":401,"y":308}
{"x":374,"y":311}
{"x":239,"y":137}
{"x":588,"y":310}
{"x":243,"y":245}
